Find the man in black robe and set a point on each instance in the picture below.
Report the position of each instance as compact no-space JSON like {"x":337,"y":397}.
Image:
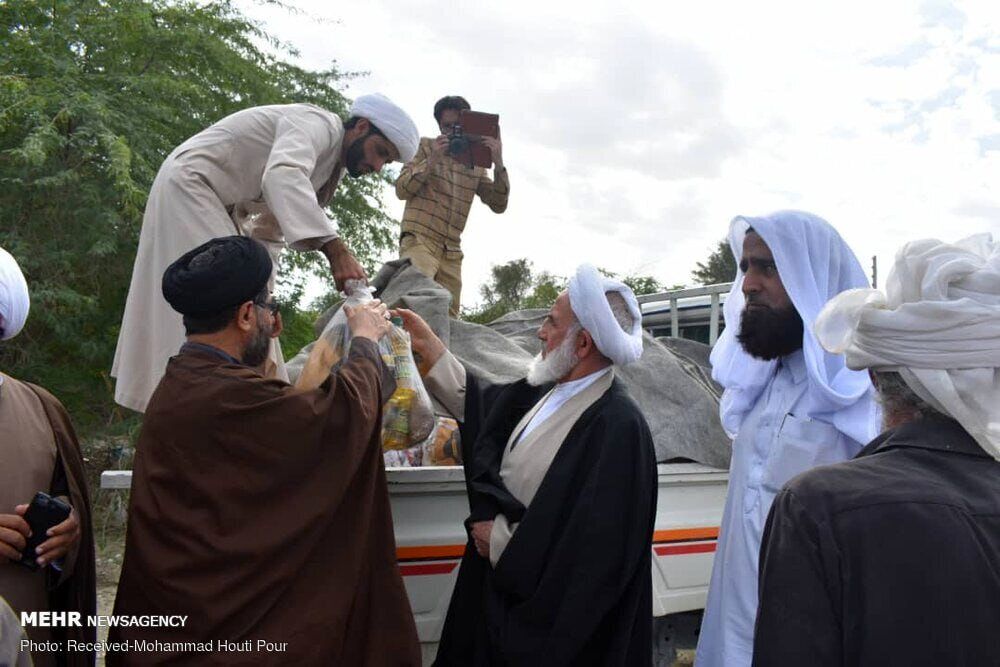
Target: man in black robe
{"x":561,"y":475}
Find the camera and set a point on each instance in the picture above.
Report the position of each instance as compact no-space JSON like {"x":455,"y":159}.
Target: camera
{"x":465,"y":141}
{"x":458,"y":143}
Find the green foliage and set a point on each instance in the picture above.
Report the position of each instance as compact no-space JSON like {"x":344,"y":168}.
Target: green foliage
{"x":720,"y":267}
{"x":93,"y":96}
{"x":643,"y":284}
{"x":513,"y":286}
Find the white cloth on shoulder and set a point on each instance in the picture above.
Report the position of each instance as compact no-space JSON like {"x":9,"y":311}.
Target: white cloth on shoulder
{"x":14,"y":299}
{"x":937,"y":324}
{"x":391,"y":120}
{"x":588,"y":299}
{"x":814,"y":264}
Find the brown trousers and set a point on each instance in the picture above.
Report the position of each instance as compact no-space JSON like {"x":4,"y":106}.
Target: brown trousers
{"x":440,"y":263}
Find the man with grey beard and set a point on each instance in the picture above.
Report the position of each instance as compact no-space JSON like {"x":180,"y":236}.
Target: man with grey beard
{"x":562,"y":489}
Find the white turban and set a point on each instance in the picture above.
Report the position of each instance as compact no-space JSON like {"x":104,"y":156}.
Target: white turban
{"x":393,"y":122}
{"x":937,"y":324}
{"x":814,"y":264}
{"x":14,"y":301}
{"x":588,"y":299}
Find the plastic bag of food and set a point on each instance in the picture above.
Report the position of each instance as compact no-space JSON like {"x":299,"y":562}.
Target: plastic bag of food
{"x":408,"y":414}
{"x":404,"y":458}
{"x":329,"y":348}
{"x":444,"y":446}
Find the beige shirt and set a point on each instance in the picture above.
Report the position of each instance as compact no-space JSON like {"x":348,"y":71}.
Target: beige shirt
{"x":438,"y":197}
{"x":260,"y":172}
{"x":527,"y":457}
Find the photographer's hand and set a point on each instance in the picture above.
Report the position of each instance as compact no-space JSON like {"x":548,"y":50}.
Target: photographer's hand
{"x":438,"y":148}
{"x":496,"y":150}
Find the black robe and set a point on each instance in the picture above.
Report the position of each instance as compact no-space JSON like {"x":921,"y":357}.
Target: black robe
{"x":573,"y":586}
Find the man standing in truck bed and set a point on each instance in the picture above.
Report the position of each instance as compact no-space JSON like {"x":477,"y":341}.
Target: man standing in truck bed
{"x":438,"y":191}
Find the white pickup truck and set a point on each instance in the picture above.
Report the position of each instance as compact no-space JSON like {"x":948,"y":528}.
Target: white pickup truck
{"x":429,"y":505}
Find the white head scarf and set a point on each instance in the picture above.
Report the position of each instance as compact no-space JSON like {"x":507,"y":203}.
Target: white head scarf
{"x":589,"y":302}
{"x":937,"y":324}
{"x":814,"y":264}
{"x":14,"y":301}
{"x":393,"y":122}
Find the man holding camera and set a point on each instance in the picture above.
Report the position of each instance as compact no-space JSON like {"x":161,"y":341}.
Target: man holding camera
{"x":438,"y":191}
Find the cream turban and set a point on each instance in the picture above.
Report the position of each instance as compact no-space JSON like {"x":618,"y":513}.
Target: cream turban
{"x":14,"y":301}
{"x":938,"y":325}
{"x":590,"y":305}
{"x":393,"y":122}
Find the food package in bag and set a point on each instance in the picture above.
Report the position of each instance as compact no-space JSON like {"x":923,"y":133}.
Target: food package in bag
{"x":404,"y":458}
{"x":444,"y":446}
{"x":408,"y":414}
{"x":408,"y":417}
{"x":332,"y":344}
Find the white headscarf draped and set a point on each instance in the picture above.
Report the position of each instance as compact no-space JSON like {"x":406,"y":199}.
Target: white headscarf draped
{"x":938,"y":325}
{"x":814,"y":264}
{"x":14,"y":300}
{"x":393,"y":122}
{"x":589,"y":302}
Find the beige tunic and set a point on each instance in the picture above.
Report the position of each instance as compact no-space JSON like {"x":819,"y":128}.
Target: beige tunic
{"x":27,"y":461}
{"x":524,"y":466}
{"x":256,"y":172}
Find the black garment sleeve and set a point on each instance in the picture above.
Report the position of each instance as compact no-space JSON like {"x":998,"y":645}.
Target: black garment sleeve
{"x":59,"y":486}
{"x":798,"y":622}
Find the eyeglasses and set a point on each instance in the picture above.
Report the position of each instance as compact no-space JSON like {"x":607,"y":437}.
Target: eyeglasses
{"x":271,"y":305}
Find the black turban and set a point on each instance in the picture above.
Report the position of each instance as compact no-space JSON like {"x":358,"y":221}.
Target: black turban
{"x":217,"y":275}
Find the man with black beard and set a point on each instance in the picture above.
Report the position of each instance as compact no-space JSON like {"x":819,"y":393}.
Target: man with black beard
{"x":788,"y":404}
{"x":561,"y":476}
{"x":258,"y":511}
{"x":268,"y":173}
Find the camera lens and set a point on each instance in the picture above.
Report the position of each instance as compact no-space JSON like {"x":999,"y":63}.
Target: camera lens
{"x":458,"y":145}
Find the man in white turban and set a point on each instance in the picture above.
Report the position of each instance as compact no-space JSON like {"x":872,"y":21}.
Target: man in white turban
{"x":788,"y":405}
{"x":39,"y":452}
{"x":265,"y":172}
{"x":892,"y":558}
{"x":561,"y":476}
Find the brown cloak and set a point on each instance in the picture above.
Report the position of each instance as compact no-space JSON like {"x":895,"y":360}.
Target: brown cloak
{"x":75,"y":589}
{"x":262,"y":514}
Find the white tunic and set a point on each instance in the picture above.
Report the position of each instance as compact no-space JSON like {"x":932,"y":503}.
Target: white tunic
{"x":256,"y":172}
{"x":773,"y":445}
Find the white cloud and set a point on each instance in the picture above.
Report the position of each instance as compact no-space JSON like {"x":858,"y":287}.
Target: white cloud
{"x":634,"y":132}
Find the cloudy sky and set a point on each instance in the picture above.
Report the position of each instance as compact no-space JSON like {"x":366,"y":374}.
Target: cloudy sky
{"x":633,"y":132}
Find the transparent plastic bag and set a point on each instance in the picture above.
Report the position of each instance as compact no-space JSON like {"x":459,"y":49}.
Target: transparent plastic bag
{"x":408,"y":415}
{"x":444,"y":446}
{"x":329,"y":348}
{"x":441,"y":448}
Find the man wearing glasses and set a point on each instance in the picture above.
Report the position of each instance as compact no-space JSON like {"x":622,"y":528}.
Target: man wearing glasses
{"x":259,"y":512}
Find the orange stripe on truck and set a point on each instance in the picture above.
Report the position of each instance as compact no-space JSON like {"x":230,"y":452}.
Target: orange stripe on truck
{"x":431,"y":551}
{"x":454,"y":551}
{"x":684,"y":534}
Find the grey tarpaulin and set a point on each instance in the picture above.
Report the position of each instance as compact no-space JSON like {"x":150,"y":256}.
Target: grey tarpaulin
{"x":671,"y":382}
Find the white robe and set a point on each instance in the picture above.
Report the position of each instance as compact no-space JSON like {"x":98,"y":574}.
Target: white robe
{"x":256,"y":172}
